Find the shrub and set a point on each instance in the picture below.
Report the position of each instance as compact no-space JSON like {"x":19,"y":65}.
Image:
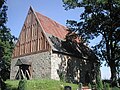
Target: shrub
{"x":80,"y":86}
{"x":106,"y":86}
{"x":22,"y":84}
{"x":89,"y":85}
{"x":99,"y":84}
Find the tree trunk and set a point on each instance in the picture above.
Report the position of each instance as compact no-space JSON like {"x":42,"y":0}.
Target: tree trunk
{"x":113,"y":71}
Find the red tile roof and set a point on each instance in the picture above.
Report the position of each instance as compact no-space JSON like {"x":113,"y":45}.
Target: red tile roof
{"x":52,"y":27}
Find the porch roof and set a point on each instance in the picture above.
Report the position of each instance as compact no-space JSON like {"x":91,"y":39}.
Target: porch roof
{"x":22,"y":61}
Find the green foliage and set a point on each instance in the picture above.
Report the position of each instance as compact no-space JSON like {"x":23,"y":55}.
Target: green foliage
{"x":22,"y":85}
{"x":106,"y":86}
{"x":6,"y":42}
{"x":62,"y":77}
{"x":99,"y":84}
{"x":100,"y":18}
{"x":89,"y":85}
{"x":72,"y":3}
{"x":115,"y":88}
{"x":12,"y":85}
{"x":41,"y":84}
{"x":80,"y":85}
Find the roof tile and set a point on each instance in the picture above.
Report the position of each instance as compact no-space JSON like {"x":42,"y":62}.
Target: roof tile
{"x":52,"y":27}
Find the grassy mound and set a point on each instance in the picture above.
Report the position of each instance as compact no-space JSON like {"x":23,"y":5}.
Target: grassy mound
{"x":41,"y":84}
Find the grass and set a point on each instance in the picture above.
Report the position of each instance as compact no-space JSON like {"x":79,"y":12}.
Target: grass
{"x":42,"y":84}
{"x":12,"y":85}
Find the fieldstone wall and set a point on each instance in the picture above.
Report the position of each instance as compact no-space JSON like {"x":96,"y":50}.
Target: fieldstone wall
{"x":71,"y":69}
{"x":41,"y":65}
{"x":58,"y":66}
{"x":79,"y":70}
{"x":14,"y":69}
{"x":55,"y":63}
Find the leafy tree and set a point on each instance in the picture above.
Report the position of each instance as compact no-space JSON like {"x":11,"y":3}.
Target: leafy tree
{"x":100,"y":18}
{"x":6,"y":43}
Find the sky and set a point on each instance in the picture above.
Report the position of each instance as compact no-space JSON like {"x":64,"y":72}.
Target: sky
{"x":18,"y":9}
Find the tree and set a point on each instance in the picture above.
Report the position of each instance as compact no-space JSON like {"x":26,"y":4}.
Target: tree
{"x":6,"y":43}
{"x":100,"y":18}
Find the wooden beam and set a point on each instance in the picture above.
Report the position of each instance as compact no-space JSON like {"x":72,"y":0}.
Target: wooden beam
{"x":28,"y":74}
{"x":22,"y":74}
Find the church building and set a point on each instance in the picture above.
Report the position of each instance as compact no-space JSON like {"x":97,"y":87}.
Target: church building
{"x":46,"y":49}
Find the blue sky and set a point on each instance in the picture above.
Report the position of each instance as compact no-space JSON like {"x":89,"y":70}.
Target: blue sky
{"x":17,"y":12}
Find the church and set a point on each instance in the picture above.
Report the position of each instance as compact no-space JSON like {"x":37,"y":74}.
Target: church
{"x":47,"y":49}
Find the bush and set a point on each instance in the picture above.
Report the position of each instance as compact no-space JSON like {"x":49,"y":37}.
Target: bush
{"x":2,"y":84}
{"x":99,"y":85}
{"x":22,"y":84}
{"x":80,"y":86}
{"x":106,"y":86}
{"x":89,"y":85}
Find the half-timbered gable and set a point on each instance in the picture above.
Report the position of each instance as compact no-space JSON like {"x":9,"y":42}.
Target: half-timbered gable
{"x":43,"y":52}
{"x":32,"y":38}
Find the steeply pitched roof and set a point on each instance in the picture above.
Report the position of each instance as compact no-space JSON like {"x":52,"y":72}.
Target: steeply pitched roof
{"x":56,"y":34}
{"x":52,"y":27}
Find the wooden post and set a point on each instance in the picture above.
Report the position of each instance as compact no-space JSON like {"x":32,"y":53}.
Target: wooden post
{"x":19,"y":73}
{"x":28,"y":74}
{"x":22,"y":74}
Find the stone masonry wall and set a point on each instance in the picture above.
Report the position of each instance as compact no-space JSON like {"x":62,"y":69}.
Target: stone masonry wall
{"x":41,"y":65}
{"x":47,"y":65}
{"x":55,"y":62}
{"x":74,"y":69}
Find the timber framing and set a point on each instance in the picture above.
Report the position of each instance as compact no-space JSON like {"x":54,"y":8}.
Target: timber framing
{"x":32,"y":38}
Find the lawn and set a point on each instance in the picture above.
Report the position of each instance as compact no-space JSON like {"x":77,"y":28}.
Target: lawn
{"x":40,"y":84}
{"x":43,"y":84}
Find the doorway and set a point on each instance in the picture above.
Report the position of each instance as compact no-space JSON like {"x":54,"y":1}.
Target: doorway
{"x":24,"y":70}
